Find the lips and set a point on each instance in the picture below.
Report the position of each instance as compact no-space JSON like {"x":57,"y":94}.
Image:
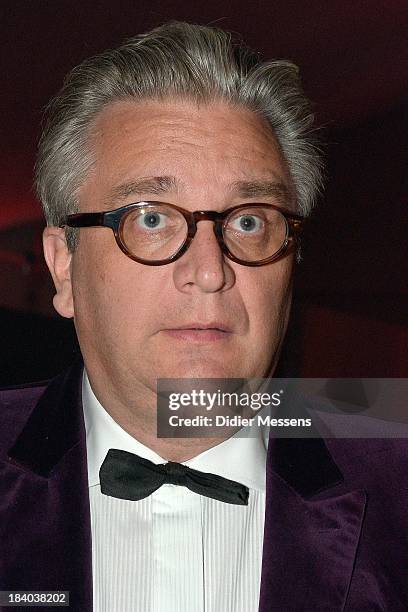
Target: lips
{"x":213,"y":325}
{"x":200,"y":332}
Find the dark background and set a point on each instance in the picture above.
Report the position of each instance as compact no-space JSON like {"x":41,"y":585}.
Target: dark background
{"x":350,"y":309}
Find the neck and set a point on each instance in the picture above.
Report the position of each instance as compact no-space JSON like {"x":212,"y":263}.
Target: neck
{"x":141,"y":423}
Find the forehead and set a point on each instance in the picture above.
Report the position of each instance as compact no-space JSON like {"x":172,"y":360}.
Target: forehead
{"x":205,"y":149}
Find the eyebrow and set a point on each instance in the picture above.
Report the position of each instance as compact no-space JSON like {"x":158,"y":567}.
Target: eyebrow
{"x":154,"y":185}
{"x":158,"y":185}
{"x":263,"y":189}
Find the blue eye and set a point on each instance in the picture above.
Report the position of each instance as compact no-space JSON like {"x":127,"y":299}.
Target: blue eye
{"x":247,"y":223}
{"x":152,"y":220}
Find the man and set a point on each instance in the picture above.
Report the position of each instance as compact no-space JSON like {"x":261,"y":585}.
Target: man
{"x":188,"y":165}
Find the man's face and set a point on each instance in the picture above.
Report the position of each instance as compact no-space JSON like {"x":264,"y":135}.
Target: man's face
{"x":202,"y":315}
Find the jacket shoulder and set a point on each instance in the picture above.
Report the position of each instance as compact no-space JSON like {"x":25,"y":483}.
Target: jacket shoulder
{"x":16,"y":405}
{"x":377,"y":465}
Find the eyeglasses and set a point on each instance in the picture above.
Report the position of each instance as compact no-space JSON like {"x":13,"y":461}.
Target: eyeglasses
{"x":156,"y":233}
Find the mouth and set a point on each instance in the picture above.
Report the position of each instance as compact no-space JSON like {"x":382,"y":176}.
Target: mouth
{"x":205,"y":326}
{"x":200,"y":332}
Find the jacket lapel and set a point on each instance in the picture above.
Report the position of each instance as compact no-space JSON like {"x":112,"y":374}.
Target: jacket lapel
{"x":45,"y":502}
{"x":311,"y":531}
{"x":312,"y":523}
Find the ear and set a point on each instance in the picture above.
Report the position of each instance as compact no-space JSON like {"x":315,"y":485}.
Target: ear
{"x":58,"y":259}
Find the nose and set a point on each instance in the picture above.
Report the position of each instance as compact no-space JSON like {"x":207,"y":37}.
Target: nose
{"x":203,"y":266}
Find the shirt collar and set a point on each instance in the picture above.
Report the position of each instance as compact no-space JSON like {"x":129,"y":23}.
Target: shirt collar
{"x":242,"y":459}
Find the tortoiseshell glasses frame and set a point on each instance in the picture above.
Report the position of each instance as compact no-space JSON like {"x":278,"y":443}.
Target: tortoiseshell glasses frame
{"x":115,"y":220}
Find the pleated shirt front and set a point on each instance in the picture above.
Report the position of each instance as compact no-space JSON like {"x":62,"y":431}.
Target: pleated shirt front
{"x":175,"y":551}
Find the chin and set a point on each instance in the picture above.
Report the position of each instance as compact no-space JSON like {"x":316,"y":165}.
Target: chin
{"x":205,"y":369}
{"x":218,"y":369}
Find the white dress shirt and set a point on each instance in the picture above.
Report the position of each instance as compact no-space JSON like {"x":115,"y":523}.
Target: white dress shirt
{"x":175,"y":551}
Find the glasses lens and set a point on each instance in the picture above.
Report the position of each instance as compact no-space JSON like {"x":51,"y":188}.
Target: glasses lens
{"x":255,"y":233}
{"x":153,"y":232}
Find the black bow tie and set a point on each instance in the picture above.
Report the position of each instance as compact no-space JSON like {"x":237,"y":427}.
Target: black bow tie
{"x":128,"y":476}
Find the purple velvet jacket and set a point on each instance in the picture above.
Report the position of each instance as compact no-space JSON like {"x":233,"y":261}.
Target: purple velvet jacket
{"x":336,"y":527}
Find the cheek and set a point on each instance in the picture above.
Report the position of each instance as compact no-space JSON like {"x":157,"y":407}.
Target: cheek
{"x":95,"y":283}
{"x":110,"y":290}
{"x":269,"y":300}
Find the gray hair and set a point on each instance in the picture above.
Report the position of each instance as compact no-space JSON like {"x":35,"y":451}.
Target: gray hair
{"x":178,"y":60}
